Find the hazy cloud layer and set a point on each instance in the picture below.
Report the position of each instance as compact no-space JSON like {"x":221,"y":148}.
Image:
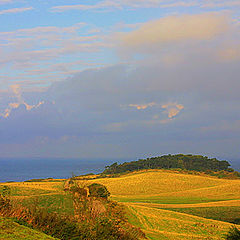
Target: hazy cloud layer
{"x":177,"y":90}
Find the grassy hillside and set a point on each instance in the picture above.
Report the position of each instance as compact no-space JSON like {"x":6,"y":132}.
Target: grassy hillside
{"x":164,"y":204}
{"x":12,"y":231}
{"x":170,"y":205}
{"x":47,"y":194}
{"x":161,"y":224}
{"x":63,"y":210}
{"x":166,"y":187}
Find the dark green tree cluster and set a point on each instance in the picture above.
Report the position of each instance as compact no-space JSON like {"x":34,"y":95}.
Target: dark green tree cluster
{"x":98,"y":190}
{"x":186,"y":162}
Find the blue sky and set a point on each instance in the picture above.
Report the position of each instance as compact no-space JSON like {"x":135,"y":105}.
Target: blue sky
{"x":119,"y":79}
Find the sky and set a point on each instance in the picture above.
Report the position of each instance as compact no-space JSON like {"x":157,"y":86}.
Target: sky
{"x":113,"y":79}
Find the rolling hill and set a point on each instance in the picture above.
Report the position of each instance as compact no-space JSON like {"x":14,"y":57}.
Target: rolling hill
{"x":170,"y":205}
{"x":165,"y":204}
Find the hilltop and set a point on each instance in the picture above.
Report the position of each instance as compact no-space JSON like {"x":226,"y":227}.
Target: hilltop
{"x":180,"y":161}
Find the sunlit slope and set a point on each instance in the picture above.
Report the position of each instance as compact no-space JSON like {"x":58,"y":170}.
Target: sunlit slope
{"x":161,"y":224}
{"x":171,"y":188}
{"x":33,"y":188}
{"x":48,"y":194}
{"x":12,"y":231}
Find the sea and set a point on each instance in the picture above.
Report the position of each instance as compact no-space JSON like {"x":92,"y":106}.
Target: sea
{"x":18,"y":170}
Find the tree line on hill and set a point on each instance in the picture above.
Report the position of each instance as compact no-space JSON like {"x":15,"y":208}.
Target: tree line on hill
{"x":179,"y":161}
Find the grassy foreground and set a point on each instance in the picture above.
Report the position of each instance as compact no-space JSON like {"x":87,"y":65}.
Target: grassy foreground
{"x":13,"y":231}
{"x":164,"y":204}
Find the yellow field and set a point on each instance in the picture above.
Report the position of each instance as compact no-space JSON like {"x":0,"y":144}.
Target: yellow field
{"x":166,"y":187}
{"x":48,"y":194}
{"x":158,"y":182}
{"x":44,"y":185}
{"x":147,"y":194}
{"x":164,"y":204}
{"x":162,"y":224}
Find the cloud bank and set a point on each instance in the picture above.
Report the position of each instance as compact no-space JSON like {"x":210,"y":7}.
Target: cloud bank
{"x":177,"y":91}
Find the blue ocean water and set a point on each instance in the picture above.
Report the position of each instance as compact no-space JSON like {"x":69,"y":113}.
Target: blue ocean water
{"x":25,"y":169}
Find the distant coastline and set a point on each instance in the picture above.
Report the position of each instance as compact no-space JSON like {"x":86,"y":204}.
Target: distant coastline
{"x":24,"y":169}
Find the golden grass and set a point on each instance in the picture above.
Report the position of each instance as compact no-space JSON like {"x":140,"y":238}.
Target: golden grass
{"x":159,"y":182}
{"x":227,"y":190}
{"x":50,"y":186}
{"x":163,"y":224}
{"x":146,"y":192}
{"x":169,"y":187}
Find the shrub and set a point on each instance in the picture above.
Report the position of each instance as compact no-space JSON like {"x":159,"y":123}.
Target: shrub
{"x":98,"y":190}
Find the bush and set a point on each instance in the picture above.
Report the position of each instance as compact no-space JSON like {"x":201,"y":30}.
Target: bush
{"x":98,"y":190}
{"x":233,"y":234}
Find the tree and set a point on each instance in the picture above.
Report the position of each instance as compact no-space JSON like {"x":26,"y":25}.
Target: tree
{"x":98,"y":190}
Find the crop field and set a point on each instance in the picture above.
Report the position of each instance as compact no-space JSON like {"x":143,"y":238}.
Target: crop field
{"x":164,"y":204}
{"x":164,"y":224}
{"x":47,"y":194}
{"x":171,"y":188}
{"x":169,"y":205}
{"x":159,"y":182}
